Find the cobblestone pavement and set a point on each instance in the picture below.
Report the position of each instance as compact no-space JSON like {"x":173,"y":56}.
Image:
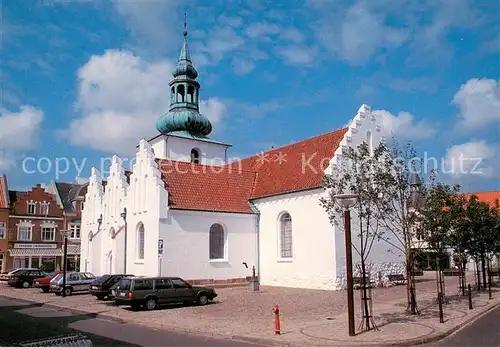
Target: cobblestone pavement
{"x":22,"y":321}
{"x":306,"y":315}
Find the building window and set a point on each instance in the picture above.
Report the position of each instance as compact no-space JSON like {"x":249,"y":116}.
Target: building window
{"x":24,"y":233}
{"x":3,"y":231}
{"x":195,"y":156}
{"x":31,"y":207}
{"x":217,"y":241}
{"x":48,"y":233}
{"x":74,"y":231}
{"x":44,"y":208}
{"x":1,"y":262}
{"x":140,"y":242}
{"x":285,"y":226}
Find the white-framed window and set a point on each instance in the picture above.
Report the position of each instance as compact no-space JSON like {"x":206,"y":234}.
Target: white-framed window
{"x":217,"y":242}
{"x":24,"y":232}
{"x":74,"y":231}
{"x":31,"y":207}
{"x":139,"y":253}
{"x":285,"y":236}
{"x":44,"y":208}
{"x":3,"y":231}
{"x":1,"y":262}
{"x":48,"y":234}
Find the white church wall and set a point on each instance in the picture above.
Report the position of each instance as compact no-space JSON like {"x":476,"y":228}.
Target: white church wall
{"x":384,"y":259}
{"x":313,"y":263}
{"x":186,"y":245}
{"x":178,"y":148}
{"x":92,"y":210}
{"x":146,"y":204}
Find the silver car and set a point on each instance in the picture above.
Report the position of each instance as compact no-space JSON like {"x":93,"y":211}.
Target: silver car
{"x":75,"y":282}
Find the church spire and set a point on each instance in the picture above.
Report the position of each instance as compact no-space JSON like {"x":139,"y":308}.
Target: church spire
{"x":184,"y":112}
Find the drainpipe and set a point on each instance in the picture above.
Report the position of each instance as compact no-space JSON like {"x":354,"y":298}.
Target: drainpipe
{"x":124,"y":216}
{"x":257,"y":238}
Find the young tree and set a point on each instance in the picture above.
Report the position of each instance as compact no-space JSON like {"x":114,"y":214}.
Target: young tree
{"x":438,"y":220}
{"x":478,"y":227}
{"x":399,"y":208}
{"x":358,"y":174}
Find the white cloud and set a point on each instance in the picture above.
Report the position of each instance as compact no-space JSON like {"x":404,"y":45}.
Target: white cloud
{"x":242,"y":66}
{"x":298,"y":55}
{"x":19,"y":131}
{"x":479,"y":104}
{"x":120,"y":96}
{"x":405,"y":126}
{"x":474,"y":159}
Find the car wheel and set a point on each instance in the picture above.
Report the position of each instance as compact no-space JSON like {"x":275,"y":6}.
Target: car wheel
{"x":26,"y":284}
{"x":150,"y":304}
{"x":202,"y":300}
{"x":68,"y":291}
{"x":45,"y":290}
{"x":100,"y":297}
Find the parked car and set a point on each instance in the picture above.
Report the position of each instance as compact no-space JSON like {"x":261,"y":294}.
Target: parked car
{"x":4,"y":276}
{"x":75,"y":282}
{"x":153,"y":291}
{"x":101,"y":287}
{"x":25,"y":278}
{"x":44,"y":283}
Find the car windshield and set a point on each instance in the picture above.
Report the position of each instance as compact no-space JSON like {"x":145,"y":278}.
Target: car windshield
{"x":57,"y":277}
{"x":20,"y":273}
{"x":102,"y":279}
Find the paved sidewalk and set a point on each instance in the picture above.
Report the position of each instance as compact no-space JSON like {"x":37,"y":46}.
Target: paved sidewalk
{"x":308,"y":317}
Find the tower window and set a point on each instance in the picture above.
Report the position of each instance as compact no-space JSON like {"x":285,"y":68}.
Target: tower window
{"x":195,"y":156}
{"x":180,"y":93}
{"x":172,"y":95}
{"x":190,"y":94}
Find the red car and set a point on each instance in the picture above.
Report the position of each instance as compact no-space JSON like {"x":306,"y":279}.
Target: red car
{"x":44,"y":283}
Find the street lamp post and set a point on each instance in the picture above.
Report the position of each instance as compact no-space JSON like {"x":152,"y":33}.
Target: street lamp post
{"x":124,"y":216}
{"x":347,"y":201}
{"x":65,"y":261}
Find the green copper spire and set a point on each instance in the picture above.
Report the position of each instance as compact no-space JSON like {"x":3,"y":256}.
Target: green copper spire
{"x":184,"y":112}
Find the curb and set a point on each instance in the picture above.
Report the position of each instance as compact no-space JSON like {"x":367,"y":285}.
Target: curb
{"x":258,"y":340}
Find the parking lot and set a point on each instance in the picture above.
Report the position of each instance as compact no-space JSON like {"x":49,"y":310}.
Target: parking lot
{"x":298,"y":307}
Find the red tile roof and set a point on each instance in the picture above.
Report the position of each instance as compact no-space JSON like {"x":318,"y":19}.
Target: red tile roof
{"x":207,"y":188}
{"x":490,"y":197}
{"x":300,"y":168}
{"x":295,"y":167}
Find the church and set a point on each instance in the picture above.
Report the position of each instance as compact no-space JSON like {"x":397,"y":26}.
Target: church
{"x":185,"y":210}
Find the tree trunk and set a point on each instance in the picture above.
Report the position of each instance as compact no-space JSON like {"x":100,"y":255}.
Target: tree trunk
{"x":363,"y":273}
{"x":483,"y":269}
{"x":410,"y":285}
{"x":478,"y":275}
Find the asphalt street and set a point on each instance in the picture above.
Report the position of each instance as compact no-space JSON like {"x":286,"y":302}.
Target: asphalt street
{"x":484,"y":332}
{"x":22,"y":321}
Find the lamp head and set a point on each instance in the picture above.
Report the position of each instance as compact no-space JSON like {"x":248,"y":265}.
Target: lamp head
{"x":99,"y":220}
{"x":346,"y":200}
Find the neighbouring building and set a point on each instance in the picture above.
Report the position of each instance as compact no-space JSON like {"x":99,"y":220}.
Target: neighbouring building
{"x":186,"y":211}
{"x":70,"y":198}
{"x":4,"y":222}
{"x":35,"y":222}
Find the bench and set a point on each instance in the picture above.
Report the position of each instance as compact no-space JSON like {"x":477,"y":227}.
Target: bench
{"x":397,"y":278}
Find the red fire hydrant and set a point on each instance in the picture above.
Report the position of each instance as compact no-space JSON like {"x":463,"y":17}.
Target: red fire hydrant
{"x":276,"y":311}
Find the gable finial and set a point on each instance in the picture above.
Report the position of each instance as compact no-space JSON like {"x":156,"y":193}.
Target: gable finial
{"x":185,"y":24}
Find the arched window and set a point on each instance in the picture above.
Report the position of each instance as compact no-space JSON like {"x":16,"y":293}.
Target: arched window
{"x":139,"y":246}
{"x":190,"y":94}
{"x":217,"y":241}
{"x":180,"y":93}
{"x":285,"y":230}
{"x":195,"y":156}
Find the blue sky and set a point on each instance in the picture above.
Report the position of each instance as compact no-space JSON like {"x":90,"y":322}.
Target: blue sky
{"x":83,"y":80}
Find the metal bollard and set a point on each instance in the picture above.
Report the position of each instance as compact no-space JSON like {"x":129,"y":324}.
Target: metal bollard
{"x":470,"y":298}
{"x":277,"y":328}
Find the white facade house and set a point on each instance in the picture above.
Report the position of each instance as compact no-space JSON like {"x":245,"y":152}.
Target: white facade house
{"x":185,"y":211}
